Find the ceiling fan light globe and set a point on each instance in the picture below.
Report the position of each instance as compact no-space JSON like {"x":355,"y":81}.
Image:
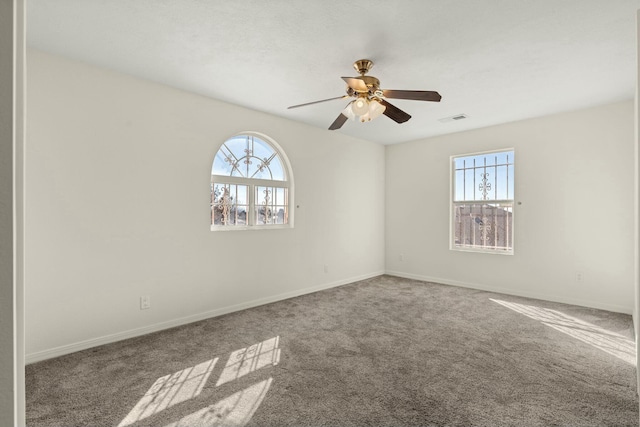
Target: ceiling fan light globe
{"x":348,"y":112}
{"x":360,"y":106}
{"x":375,"y":109}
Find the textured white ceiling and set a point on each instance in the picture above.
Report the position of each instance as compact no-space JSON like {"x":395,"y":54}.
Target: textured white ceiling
{"x":494,"y":60}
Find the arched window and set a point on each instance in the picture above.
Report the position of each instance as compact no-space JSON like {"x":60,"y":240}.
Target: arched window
{"x":251,"y":184}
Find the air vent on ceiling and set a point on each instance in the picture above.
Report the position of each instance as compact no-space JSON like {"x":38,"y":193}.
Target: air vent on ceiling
{"x":453,"y":118}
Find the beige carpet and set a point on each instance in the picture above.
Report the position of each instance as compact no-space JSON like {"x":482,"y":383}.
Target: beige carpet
{"x":380,"y":352}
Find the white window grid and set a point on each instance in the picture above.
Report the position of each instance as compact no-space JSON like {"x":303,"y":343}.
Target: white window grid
{"x":242,"y":201}
{"x":481,"y":221}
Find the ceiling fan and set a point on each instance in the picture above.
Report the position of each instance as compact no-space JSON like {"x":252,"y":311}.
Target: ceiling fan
{"x":369,"y":100}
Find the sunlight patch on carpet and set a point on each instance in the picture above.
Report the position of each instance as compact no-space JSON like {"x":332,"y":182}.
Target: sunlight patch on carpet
{"x":249,"y":359}
{"x":171,"y":390}
{"x":607,"y":341}
{"x":233,"y":411}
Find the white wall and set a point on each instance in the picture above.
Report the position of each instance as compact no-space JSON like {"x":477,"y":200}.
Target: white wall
{"x":118,"y":173}
{"x":575,"y":179}
{"x":12,"y":36}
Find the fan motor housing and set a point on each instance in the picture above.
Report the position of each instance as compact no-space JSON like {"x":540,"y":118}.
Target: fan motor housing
{"x":371,"y":81}
{"x":373,"y":85}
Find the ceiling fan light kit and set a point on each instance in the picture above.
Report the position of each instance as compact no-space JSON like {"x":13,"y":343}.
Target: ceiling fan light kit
{"x":360,"y":106}
{"x":369,"y":102}
{"x":365,"y":108}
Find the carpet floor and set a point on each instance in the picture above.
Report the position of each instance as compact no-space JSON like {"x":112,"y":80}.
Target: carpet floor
{"x":380,"y":352}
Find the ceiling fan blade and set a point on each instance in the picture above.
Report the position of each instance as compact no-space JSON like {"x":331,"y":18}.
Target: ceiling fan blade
{"x":394,"y":113}
{"x":317,"y":102}
{"x":338,"y":122}
{"x":356,"y":83}
{"x":416,"y":95}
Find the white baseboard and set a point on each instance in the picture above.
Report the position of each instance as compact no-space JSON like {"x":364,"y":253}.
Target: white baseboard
{"x":515,"y":292}
{"x":107,"y":339}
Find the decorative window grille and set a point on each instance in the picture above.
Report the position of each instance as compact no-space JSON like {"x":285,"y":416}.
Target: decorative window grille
{"x":250,"y":184}
{"x":482,"y":202}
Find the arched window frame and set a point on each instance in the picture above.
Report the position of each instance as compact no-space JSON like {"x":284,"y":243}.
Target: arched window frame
{"x":254,"y":218}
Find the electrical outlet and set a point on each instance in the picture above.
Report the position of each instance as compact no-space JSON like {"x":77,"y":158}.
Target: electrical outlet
{"x":326,"y":268}
{"x":579,"y":276}
{"x":145,"y":302}
{"x":401,"y":257}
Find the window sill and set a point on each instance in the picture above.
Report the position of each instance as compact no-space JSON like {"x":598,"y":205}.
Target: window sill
{"x":249,"y":227}
{"x":483,"y":251}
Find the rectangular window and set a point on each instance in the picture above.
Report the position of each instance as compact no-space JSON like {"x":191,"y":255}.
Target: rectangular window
{"x":229,"y":204}
{"x":482,"y":202}
{"x":271,"y":205}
